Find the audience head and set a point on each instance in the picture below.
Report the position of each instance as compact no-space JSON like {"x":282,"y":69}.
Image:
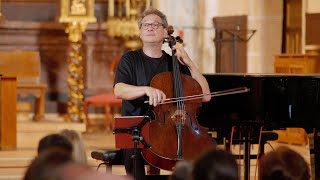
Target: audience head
{"x":80,"y":171}
{"x":79,"y":152}
{"x":54,"y":141}
{"x":41,"y":167}
{"x":182,"y":171}
{"x":216,"y":164}
{"x":71,"y":170}
{"x":284,"y":164}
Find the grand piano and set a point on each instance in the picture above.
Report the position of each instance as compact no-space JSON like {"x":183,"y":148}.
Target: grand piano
{"x":274,"y":101}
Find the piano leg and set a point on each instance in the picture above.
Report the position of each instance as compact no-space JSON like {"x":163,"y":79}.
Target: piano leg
{"x":247,"y":153}
{"x":316,"y":153}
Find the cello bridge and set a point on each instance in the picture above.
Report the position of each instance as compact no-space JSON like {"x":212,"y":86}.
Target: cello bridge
{"x":179,"y":116}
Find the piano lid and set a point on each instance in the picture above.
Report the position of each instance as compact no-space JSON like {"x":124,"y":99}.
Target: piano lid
{"x":275,"y":100}
{"x":263,"y":75}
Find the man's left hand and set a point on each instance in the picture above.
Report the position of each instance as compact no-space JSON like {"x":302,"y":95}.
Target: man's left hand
{"x":182,"y":55}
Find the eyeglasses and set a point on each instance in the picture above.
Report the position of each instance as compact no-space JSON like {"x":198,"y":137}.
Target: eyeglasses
{"x":145,"y":26}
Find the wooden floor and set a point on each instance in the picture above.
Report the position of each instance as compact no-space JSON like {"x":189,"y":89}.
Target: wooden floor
{"x":14,"y":163}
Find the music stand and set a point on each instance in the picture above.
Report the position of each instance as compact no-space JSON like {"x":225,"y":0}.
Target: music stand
{"x":248,"y":133}
{"x":129,"y":131}
{"x":235,"y":36}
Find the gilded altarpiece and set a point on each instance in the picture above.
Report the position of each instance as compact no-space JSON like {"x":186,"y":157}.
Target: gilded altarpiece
{"x":35,"y":28}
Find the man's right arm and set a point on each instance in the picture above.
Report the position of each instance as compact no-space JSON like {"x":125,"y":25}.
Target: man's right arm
{"x":130,"y":92}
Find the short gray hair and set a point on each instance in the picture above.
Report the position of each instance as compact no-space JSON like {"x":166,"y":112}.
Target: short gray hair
{"x":155,"y":12}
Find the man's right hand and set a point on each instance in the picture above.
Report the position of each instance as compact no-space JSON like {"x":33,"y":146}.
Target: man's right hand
{"x":130,"y":92}
{"x":155,"y":95}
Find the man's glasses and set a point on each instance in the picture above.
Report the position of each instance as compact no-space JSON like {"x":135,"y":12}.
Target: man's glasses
{"x":145,"y":26}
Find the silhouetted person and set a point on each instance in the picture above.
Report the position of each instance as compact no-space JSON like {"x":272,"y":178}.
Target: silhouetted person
{"x":80,"y":171}
{"x":182,"y":171}
{"x":54,"y":140}
{"x":283,"y":164}
{"x":79,"y":151}
{"x":216,"y":164}
{"x":41,"y":167}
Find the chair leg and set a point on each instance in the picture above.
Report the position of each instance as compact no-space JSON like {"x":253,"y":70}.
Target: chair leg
{"x":86,"y":112}
{"x":112,"y":112}
{"x":39,"y":104}
{"x":108,"y":117}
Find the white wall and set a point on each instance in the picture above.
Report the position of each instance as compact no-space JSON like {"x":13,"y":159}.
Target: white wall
{"x":194,"y":19}
{"x":232,"y":7}
{"x":313,"y":6}
{"x":265,"y":16}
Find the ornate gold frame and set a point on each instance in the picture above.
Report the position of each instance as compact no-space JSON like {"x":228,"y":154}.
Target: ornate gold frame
{"x":67,"y":15}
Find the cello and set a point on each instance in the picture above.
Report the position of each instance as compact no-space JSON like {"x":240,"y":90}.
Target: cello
{"x":175,"y":133}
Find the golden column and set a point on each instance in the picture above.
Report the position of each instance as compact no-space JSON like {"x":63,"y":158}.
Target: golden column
{"x":76,"y":14}
{"x":122,"y":20}
{"x":1,"y":15}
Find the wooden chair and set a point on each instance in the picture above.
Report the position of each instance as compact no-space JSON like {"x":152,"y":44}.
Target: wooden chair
{"x":107,"y":100}
{"x":25,"y":65}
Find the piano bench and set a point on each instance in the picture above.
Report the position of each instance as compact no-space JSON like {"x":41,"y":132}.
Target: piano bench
{"x":108,"y":158}
{"x":115,"y":157}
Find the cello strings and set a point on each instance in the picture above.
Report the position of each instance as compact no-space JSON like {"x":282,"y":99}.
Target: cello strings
{"x":182,"y":104}
{"x":177,"y":84}
{"x":179,"y":89}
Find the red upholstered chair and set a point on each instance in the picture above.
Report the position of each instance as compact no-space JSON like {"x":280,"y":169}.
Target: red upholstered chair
{"x":107,"y":100}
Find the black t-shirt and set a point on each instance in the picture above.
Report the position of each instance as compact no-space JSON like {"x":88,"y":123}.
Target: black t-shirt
{"x":138,"y":69}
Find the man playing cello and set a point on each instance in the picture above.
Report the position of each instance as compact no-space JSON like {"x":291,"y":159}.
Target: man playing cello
{"x":137,"y":68}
